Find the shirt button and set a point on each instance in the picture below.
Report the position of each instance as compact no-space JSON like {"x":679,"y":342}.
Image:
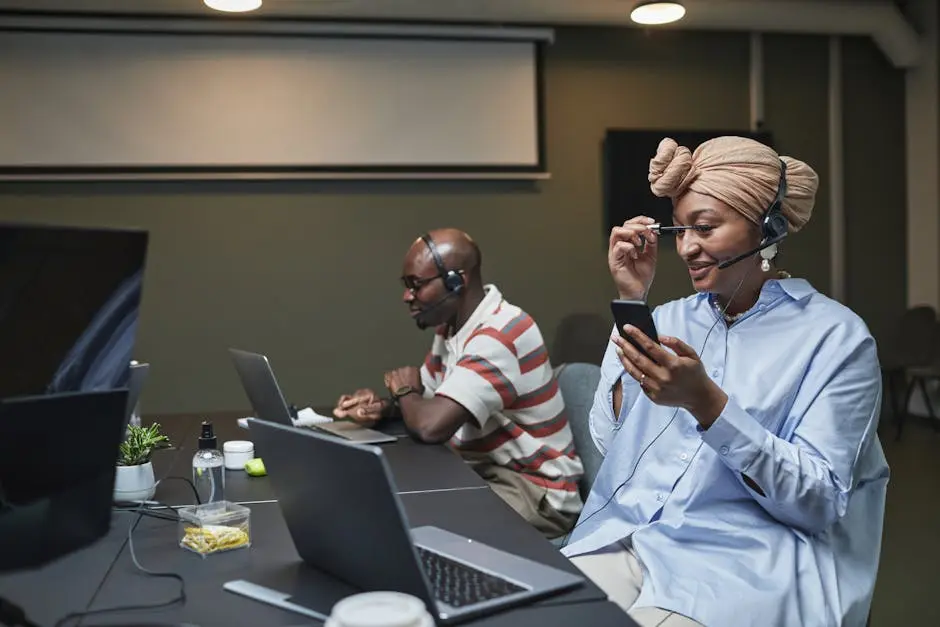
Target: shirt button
{"x":715,"y":373}
{"x":723,"y":450}
{"x":684,"y":457}
{"x":659,"y":497}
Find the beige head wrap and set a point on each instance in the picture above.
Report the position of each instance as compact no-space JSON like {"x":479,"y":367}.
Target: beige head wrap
{"x":741,"y":172}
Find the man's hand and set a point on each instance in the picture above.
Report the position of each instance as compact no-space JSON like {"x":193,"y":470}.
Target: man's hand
{"x":400,"y":377}
{"x":362,"y":406}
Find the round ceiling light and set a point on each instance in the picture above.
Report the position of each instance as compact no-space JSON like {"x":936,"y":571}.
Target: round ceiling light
{"x":657,"y":12}
{"x":233,"y":6}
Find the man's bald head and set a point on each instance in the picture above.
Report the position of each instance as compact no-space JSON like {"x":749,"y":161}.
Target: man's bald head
{"x":458,"y":251}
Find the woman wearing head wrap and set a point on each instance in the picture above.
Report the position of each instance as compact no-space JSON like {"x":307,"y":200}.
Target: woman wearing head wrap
{"x":743,"y":482}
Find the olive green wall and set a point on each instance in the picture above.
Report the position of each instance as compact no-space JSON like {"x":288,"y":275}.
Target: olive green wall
{"x":307,"y":272}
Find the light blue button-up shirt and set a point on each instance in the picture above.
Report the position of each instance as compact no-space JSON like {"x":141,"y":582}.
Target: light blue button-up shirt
{"x":802,"y":376}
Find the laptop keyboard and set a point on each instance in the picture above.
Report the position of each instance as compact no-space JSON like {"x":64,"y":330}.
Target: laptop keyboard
{"x":459,"y":585}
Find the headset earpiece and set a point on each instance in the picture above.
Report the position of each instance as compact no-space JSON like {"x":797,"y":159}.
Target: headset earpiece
{"x":453,"y":281}
{"x":774,"y":226}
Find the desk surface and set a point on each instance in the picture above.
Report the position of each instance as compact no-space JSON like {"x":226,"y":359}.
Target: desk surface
{"x":416,"y":467}
{"x":272,"y":561}
{"x":68,"y":584}
{"x":436,"y":488}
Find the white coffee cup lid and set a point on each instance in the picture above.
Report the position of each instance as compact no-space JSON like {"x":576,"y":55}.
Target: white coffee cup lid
{"x":237,"y":446}
{"x":380,"y":609}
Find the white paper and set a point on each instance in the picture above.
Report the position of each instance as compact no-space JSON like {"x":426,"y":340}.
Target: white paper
{"x":307,"y":417}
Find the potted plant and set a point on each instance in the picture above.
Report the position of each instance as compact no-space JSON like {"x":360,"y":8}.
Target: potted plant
{"x":134,"y":480}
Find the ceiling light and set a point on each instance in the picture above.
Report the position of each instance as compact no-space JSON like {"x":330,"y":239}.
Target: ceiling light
{"x":233,"y":6}
{"x":657,"y":12}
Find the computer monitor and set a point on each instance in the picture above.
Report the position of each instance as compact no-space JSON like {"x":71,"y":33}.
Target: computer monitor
{"x":69,"y":302}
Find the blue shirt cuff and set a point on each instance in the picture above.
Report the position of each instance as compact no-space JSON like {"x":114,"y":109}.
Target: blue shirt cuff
{"x":736,"y":437}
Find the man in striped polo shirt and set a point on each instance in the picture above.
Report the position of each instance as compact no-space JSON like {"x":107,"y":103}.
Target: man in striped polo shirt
{"x":486,"y":387}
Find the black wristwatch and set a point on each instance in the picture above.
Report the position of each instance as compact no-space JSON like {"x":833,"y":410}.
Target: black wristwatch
{"x":404,"y":390}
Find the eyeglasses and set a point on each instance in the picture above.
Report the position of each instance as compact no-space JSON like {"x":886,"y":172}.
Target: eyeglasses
{"x":415,"y":283}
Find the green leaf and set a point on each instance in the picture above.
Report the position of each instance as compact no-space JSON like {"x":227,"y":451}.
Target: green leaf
{"x":140,"y":443}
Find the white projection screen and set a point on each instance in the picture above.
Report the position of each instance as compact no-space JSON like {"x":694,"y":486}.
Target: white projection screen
{"x":90,"y":104}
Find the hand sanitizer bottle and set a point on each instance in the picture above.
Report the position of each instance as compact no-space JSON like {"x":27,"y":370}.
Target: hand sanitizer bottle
{"x":209,"y":467}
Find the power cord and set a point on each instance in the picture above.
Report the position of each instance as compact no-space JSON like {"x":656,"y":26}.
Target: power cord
{"x":188,"y":481}
{"x":617,"y":428}
{"x":144,"y":508}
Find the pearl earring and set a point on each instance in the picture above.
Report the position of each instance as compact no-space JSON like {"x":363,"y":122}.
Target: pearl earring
{"x":766,"y":255}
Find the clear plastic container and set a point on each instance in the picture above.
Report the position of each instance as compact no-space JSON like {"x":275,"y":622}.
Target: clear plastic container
{"x":214,"y":527}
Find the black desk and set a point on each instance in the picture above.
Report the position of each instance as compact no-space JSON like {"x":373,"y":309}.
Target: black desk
{"x":416,"y":467}
{"x":436,"y":488}
{"x":273,"y":561}
{"x":68,"y":584}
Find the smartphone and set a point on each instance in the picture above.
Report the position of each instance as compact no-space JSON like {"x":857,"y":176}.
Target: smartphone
{"x":638,"y":314}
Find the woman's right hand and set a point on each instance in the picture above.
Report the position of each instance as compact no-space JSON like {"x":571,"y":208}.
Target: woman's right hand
{"x":633,"y":263}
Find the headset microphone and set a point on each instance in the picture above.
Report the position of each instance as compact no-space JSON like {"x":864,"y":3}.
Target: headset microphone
{"x":764,"y":246}
{"x":424,"y":311}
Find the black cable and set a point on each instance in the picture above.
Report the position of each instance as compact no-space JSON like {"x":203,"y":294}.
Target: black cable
{"x":191,"y":485}
{"x":141,"y":511}
{"x":658,"y":435}
{"x":155,"y":510}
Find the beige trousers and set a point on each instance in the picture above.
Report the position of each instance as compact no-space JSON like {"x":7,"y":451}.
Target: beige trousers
{"x":617,"y":571}
{"x":527,"y":499}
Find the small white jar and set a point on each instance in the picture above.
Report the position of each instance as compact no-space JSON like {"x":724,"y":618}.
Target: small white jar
{"x":237,"y":453}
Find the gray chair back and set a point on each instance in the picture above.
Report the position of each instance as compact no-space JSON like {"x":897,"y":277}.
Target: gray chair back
{"x":578,"y":383}
{"x":581,"y":338}
{"x":914,"y":341}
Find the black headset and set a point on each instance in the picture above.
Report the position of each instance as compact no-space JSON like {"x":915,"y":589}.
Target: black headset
{"x":453,"y":281}
{"x":773,"y":226}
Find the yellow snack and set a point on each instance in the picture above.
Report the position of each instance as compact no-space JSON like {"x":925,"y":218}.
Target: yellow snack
{"x":213,"y":538}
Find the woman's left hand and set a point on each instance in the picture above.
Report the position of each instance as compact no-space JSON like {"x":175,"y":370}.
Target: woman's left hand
{"x":674,"y":379}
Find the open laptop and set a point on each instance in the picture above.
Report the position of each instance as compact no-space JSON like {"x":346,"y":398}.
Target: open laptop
{"x":343,"y":511}
{"x":268,"y":402}
{"x":57,"y":508}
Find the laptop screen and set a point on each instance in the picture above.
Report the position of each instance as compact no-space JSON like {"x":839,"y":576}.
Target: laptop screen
{"x":69,"y":302}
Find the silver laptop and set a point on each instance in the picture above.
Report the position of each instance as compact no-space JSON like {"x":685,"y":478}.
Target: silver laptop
{"x":341,"y":523}
{"x":268,"y":402}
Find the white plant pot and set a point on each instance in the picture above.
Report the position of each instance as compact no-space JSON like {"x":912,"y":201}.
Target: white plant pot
{"x":134,"y":483}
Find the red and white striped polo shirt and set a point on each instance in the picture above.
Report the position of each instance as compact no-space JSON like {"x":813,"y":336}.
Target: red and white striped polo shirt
{"x":496,"y":366}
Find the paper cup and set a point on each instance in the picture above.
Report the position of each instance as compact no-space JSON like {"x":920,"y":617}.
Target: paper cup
{"x":380,"y":609}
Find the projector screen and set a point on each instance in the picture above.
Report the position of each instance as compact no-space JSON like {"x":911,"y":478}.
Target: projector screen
{"x":234,"y":104}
